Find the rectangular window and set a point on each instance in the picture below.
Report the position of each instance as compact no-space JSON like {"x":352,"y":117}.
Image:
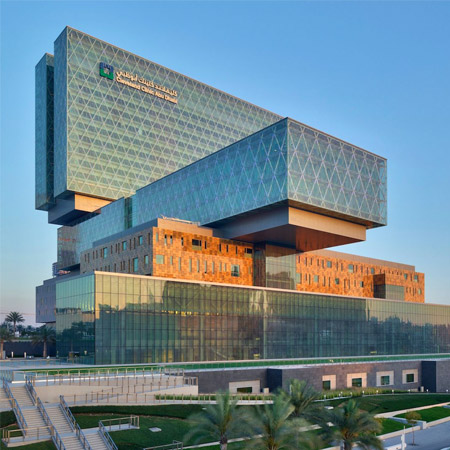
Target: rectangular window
{"x":124,"y":245}
{"x":156,"y":237}
{"x":419,"y":291}
{"x":350,"y":268}
{"x":236,"y":249}
{"x":159,"y":259}
{"x":361,"y":284}
{"x":182,"y":241}
{"x":135,"y":264}
{"x":329,"y":264}
{"x":220,"y":247}
{"x":206,"y":267}
{"x":227,"y":248}
{"x":316,"y":278}
{"x":220,"y":267}
{"x":146,"y":260}
{"x":234,"y":270}
{"x":372,"y":270}
{"x":171,"y":260}
{"x":190,"y":264}
{"x":326,"y":385}
{"x":196,"y":244}
{"x":212,"y":267}
{"x":141,"y":240}
{"x":356,"y":382}
{"x":205,"y":245}
{"x":385,"y":380}
{"x":336,"y":281}
{"x":248,"y":252}
{"x":410,"y":378}
{"x":171,"y":239}
{"x":298,"y":278}
{"x":179,"y":263}
{"x":105,"y":252}
{"x":165,"y":239}
{"x":416,"y":278}
{"x":198,"y":265}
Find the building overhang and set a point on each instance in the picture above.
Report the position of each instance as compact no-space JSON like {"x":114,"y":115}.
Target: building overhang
{"x":292,"y":227}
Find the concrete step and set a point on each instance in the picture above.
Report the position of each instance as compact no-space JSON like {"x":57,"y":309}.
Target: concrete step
{"x":58,"y":419}
{"x":96,"y":441}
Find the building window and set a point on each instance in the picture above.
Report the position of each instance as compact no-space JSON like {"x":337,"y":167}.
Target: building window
{"x":182,"y":241}
{"x":336,"y":281}
{"x":298,"y":278}
{"x":196,"y":244}
{"x":146,"y":260}
{"x":385,"y":380}
{"x":165,"y":239}
{"x":124,"y":245}
{"x":326,"y":385}
{"x":316,"y":278}
{"x":419,"y":291}
{"x":171,"y":239}
{"x":159,"y":259}
{"x":135,"y":264}
{"x":361,"y":284}
{"x":227,"y":248}
{"x":171,"y":260}
{"x":416,"y":278}
{"x":220,"y":247}
{"x":105,"y":252}
{"x":198,"y":265}
{"x":406,"y":276}
{"x":350,"y":268}
{"x":356,"y":382}
{"x":179,"y":263}
{"x":205,"y":245}
{"x":410,"y":378}
{"x":156,"y":237}
{"x":206,"y":267}
{"x":234,"y":270}
{"x":212,"y":267}
{"x":372,"y":270}
{"x":248,"y":252}
{"x":236,"y":249}
{"x":190,"y":264}
{"x":141,"y":240}
{"x":220,"y":267}
{"x":329,"y":264}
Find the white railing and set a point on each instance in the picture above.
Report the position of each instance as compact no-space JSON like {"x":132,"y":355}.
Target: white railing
{"x":34,"y":433}
{"x":74,"y":424}
{"x":15,"y":406}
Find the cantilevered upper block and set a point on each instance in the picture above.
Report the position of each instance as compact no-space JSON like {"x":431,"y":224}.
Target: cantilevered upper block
{"x":287,"y":184}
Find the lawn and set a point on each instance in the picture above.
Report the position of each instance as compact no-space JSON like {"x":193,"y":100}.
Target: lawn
{"x":389,"y":426}
{"x":431,"y":414}
{"x":7,"y":418}
{"x":44,"y":445}
{"x":377,"y":404}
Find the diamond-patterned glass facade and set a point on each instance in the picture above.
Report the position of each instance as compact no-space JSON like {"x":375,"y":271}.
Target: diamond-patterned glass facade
{"x":112,"y":139}
{"x":44,"y":133}
{"x":282,"y":163}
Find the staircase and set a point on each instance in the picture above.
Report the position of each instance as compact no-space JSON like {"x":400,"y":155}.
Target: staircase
{"x":96,"y":441}
{"x":72,"y":443}
{"x":21,"y":395}
{"x":33,"y":417}
{"x":58,"y":419}
{"x":4,"y":402}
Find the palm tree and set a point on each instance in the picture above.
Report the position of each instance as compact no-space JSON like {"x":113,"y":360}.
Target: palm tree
{"x":274,"y":429}
{"x":353,"y":426}
{"x":14,"y":317}
{"x":303,"y":397}
{"x":5,"y":335}
{"x":44,"y":335}
{"x":218,"y":422}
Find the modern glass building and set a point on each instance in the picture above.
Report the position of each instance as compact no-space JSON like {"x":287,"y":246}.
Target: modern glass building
{"x":195,"y":224}
{"x":113,"y":318}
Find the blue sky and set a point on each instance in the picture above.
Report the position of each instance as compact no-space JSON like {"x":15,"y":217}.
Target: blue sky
{"x":376,"y":74}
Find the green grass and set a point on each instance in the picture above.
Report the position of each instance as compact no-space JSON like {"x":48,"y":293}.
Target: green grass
{"x":389,"y":426}
{"x":44,"y":445}
{"x":7,"y":418}
{"x":431,"y":414}
{"x":377,"y":404}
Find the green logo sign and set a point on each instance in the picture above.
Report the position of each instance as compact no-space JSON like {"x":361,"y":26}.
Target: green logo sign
{"x":106,"y":71}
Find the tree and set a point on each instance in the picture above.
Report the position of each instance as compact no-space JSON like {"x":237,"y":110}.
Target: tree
{"x":302,"y":397}
{"x":218,"y":422}
{"x":44,"y":335}
{"x":412,"y":417}
{"x":14,"y":317}
{"x":351,"y":425}
{"x":274,"y":428}
{"x":5,"y":336}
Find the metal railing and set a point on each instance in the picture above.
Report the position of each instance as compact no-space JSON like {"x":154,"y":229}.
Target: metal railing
{"x":131,"y":421}
{"x":175,"y":445}
{"x":107,"y":439}
{"x":15,"y":406}
{"x":29,"y":384}
{"x":74,"y":424}
{"x":34,"y":433}
{"x":56,"y":438}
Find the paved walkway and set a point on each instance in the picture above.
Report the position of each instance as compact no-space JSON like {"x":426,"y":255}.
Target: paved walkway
{"x":433,"y":438}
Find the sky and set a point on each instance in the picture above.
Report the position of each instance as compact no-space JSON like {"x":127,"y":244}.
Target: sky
{"x":374,"y":73}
